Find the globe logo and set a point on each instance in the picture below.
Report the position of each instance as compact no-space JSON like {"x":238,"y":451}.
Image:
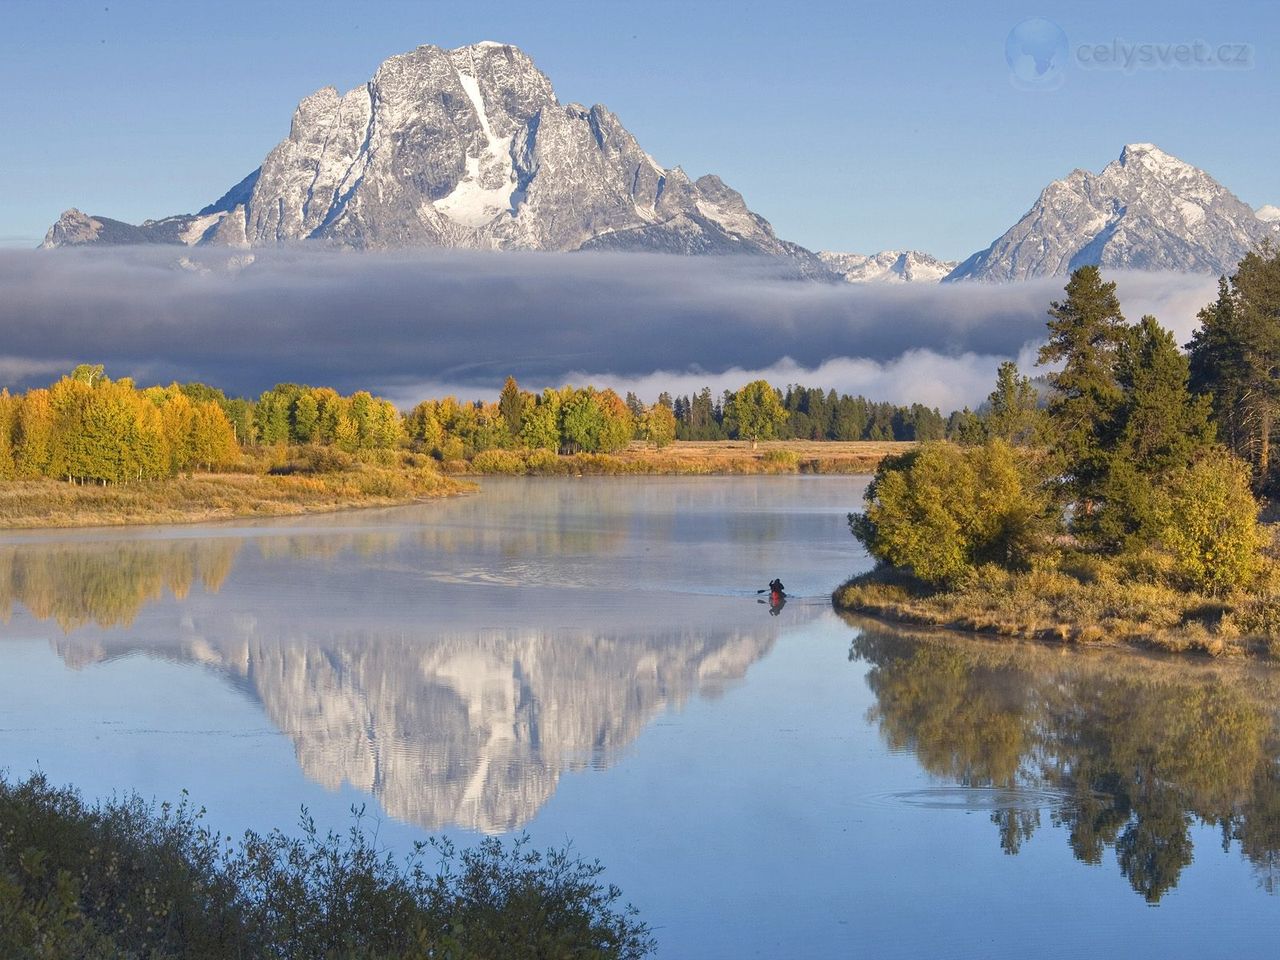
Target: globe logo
{"x":1036,"y":51}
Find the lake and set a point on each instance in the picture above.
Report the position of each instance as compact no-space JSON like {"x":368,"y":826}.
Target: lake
{"x":588,"y":660}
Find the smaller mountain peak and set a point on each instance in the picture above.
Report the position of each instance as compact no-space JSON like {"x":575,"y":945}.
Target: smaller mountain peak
{"x":1268,"y":213}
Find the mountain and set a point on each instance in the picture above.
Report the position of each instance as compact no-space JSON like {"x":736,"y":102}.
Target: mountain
{"x":1145,"y":211}
{"x":892,"y":266}
{"x":461,"y":148}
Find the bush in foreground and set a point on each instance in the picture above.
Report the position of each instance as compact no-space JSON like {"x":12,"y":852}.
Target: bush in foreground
{"x":128,"y":879}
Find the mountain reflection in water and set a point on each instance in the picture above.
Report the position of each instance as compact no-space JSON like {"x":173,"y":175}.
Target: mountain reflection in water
{"x":452,"y":710}
{"x":1123,"y":752}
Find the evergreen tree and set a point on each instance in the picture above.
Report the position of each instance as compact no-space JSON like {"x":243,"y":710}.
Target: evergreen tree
{"x":1085,"y":333}
{"x":1159,"y":428}
{"x":511,"y":402}
{"x":1012,"y":412}
{"x":1235,"y":357}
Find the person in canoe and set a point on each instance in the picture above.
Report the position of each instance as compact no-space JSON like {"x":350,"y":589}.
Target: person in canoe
{"x":777,"y":596}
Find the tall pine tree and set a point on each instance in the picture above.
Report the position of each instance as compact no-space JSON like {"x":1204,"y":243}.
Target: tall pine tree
{"x":1085,"y":333}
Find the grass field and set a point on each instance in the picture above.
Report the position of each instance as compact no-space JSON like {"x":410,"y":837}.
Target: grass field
{"x":52,"y":503}
{"x":690,"y":457}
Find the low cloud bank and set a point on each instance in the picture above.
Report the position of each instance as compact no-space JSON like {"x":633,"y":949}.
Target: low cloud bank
{"x":414,"y":324}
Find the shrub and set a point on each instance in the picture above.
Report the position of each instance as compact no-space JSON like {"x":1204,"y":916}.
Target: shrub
{"x":782,"y":460}
{"x":124,"y":879}
{"x":314,"y":459}
{"x":1210,"y":526}
{"x":940,"y":510}
{"x":497,"y":461}
{"x":543,"y":462}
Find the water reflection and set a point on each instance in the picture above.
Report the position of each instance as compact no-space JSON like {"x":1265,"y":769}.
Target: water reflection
{"x":106,"y":584}
{"x":453,"y":663}
{"x":1123,"y":753}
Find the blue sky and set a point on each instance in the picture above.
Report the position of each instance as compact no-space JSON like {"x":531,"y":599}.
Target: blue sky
{"x":849,"y":126}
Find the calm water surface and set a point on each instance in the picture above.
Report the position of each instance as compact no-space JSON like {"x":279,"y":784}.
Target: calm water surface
{"x":587,"y":660}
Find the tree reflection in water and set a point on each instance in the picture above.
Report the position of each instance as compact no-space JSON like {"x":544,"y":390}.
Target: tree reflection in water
{"x":1132,"y":750}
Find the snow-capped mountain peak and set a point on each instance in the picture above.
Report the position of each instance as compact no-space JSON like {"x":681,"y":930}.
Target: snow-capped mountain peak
{"x":466,"y":147}
{"x":1147,"y":210}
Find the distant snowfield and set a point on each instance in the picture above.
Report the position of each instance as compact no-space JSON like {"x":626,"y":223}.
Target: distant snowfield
{"x":413,"y":324}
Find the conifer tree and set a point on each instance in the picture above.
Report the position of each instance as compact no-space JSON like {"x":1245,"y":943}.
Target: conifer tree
{"x":1085,"y":333}
{"x":1012,"y":411}
{"x":512,"y":404}
{"x":1159,"y":428}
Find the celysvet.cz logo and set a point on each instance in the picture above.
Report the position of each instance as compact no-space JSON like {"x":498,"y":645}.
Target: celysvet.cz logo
{"x":1040,"y":56}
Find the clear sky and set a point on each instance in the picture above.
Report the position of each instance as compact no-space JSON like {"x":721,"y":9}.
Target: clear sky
{"x":849,"y":126}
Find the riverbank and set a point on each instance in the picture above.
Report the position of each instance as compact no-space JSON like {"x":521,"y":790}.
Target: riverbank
{"x":691,"y":458}
{"x":1093,"y":607}
{"x":32,"y":504}
{"x":319,"y":480}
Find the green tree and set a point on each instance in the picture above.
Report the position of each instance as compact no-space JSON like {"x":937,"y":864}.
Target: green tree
{"x":271,"y":415}
{"x":941,"y":510}
{"x":582,"y":422}
{"x":1235,"y":357}
{"x":755,"y":412}
{"x":541,"y":429}
{"x":1210,"y":525}
{"x":1085,"y":333}
{"x":1158,"y":428}
{"x":511,"y":402}
{"x":658,"y":425}
{"x":1012,"y":410}
{"x":306,"y":418}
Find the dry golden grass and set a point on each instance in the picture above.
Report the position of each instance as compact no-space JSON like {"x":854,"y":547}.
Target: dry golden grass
{"x":1054,"y":606}
{"x":53,"y":503}
{"x":691,"y":457}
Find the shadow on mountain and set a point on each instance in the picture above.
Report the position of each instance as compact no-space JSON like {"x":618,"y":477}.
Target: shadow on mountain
{"x":1124,"y":753}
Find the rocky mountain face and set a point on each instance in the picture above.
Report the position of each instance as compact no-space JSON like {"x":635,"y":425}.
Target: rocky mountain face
{"x":461,"y":148}
{"x":1145,"y":211}
{"x":894,"y":266}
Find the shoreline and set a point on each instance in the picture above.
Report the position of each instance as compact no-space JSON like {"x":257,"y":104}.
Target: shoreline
{"x":35,"y":505}
{"x":27,"y":505}
{"x":1114,"y":615}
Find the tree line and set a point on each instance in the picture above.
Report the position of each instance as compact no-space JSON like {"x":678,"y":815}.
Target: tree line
{"x":811,"y":413}
{"x":88,"y":428}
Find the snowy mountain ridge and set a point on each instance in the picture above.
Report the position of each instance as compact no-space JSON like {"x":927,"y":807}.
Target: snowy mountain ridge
{"x":888,"y":266}
{"x":1148,"y":210}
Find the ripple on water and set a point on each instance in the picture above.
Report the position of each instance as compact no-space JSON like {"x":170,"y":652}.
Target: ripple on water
{"x":969,"y":798}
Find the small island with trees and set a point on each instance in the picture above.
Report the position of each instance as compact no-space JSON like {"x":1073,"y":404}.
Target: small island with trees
{"x":1124,"y":509}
